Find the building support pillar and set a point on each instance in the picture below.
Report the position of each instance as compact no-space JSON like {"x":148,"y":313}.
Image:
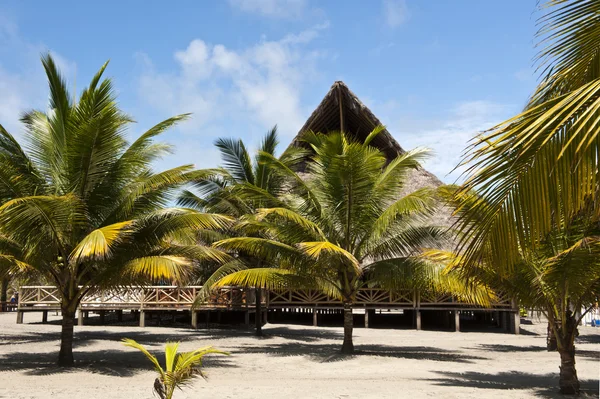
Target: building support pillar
{"x":45,"y":316}
{"x":516,"y":325}
{"x":102,"y":317}
{"x":456,"y":321}
{"x":515,"y":318}
{"x":142,"y":318}
{"x":194,"y":319}
{"x":418,"y":319}
{"x":19,"y":317}
{"x":120,"y":315}
{"x":315,"y":318}
{"x":80,"y":317}
{"x":247,"y":319}
{"x":366,"y":318}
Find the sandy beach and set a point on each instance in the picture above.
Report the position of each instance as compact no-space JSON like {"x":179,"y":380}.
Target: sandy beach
{"x":293,"y":361}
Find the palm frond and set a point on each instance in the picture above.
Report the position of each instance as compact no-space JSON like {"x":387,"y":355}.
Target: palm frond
{"x":97,"y":245}
{"x":236,"y":159}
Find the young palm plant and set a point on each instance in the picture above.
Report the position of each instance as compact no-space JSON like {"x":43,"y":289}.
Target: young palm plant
{"x":82,"y":207}
{"x":180,"y":368}
{"x":344,"y":226}
{"x":219,"y":191}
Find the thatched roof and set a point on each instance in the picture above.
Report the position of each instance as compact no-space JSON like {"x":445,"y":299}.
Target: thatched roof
{"x":341,"y":110}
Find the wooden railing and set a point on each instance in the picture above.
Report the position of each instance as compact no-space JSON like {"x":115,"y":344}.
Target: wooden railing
{"x":172,"y":297}
{"x":379,"y":298}
{"x":152,"y":297}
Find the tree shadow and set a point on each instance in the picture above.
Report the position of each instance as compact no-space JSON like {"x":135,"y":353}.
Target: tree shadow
{"x":511,"y":348}
{"x":121,"y":363}
{"x":331,"y":352}
{"x":525,"y":331}
{"x":589,"y":338}
{"x":515,"y":348}
{"x":305,"y":334}
{"x":543,"y":385}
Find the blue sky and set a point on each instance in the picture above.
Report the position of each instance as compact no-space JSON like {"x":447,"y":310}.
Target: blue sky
{"x":435,"y":72}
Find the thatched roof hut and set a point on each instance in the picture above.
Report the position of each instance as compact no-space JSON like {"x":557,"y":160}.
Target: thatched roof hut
{"x":341,"y":110}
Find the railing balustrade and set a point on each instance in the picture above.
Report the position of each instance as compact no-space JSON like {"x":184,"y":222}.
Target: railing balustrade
{"x":173,"y":297}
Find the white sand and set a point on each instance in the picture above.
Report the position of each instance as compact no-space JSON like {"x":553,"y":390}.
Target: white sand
{"x":293,"y":362}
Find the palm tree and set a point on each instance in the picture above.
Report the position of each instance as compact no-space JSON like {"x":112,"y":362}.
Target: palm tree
{"x":559,"y":279}
{"x":180,"y":368}
{"x":219,"y":192}
{"x":82,"y":207}
{"x":345,"y":226}
{"x":538,"y":169}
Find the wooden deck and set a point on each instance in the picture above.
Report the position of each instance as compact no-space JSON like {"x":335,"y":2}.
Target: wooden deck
{"x":172,"y":298}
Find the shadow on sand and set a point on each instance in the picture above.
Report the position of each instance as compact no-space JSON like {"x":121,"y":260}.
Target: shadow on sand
{"x":125,"y":363}
{"x":112,"y":362}
{"x":107,"y":362}
{"x":543,"y":385}
{"x":514,"y":348}
{"x":331,"y":352}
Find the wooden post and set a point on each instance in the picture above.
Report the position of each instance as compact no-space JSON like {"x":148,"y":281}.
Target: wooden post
{"x":516,"y":317}
{"x":20,"y":317}
{"x":418,"y":316}
{"x":45,"y":316}
{"x":80,"y":317}
{"x":366,"y":318}
{"x":516,"y":322}
{"x":142,"y":318}
{"x":194,"y":319}
{"x":247,"y":319}
{"x":315,"y":318}
{"x":265,"y":314}
{"x":456,"y":321}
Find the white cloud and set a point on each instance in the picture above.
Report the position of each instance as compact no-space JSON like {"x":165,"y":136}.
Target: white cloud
{"x":261,"y":83}
{"x":395,"y":12}
{"x":449,"y":137}
{"x":271,"y":8}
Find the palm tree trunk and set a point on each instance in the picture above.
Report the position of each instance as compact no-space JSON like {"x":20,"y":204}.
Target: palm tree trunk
{"x":65,"y":356}
{"x":4,"y":294}
{"x":568,"y":381}
{"x":551,"y":344}
{"x":258,"y":313}
{"x":348,"y":345}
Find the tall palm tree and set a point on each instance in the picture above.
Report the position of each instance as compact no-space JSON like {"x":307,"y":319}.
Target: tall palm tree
{"x":560,"y":278}
{"x":83,"y":209}
{"x":344,"y":226}
{"x":180,"y":368}
{"x":538,"y":169}
{"x":219,"y":191}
